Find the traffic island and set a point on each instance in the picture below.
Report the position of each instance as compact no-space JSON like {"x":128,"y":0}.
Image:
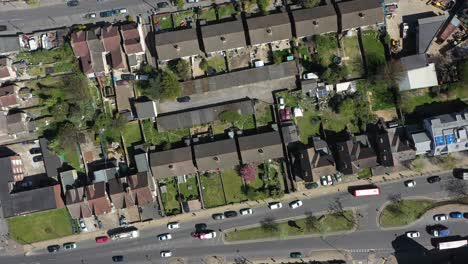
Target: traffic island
{"x":309,"y":225}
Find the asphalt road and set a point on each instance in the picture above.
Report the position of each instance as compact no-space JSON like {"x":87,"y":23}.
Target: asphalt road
{"x":368,"y":236}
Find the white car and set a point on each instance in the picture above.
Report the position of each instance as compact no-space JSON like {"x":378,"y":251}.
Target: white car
{"x":83,"y":225}
{"x":163,"y":237}
{"x":208,"y":235}
{"x":440,"y":217}
{"x":141,"y":77}
{"x":413,"y":234}
{"x":246,"y":211}
{"x":281,"y":102}
{"x":123,"y":11}
{"x":295,"y":204}
{"x":329,"y":179}
{"x":71,"y":245}
{"x":410,"y":183}
{"x":91,"y":15}
{"x":166,"y":254}
{"x":193,"y":1}
{"x":323,"y":180}
{"x":173,"y":225}
{"x":309,"y":76}
{"x":275,"y":205}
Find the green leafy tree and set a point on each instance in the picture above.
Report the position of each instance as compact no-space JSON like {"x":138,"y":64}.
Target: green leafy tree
{"x":269,"y":225}
{"x":65,"y":137}
{"x":171,"y":87}
{"x":263,"y":5}
{"x":179,"y":4}
{"x":309,"y":3}
{"x":182,"y":68}
{"x":334,"y":74}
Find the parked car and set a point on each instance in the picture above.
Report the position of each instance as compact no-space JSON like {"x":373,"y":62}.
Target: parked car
{"x":309,"y":76}
{"x":122,"y":83}
{"x":323,"y":180}
{"x":108,"y":13}
{"x":296,"y":255}
{"x":53,"y":248}
{"x":73,"y":3}
{"x":193,"y":1}
{"x":413,"y":234}
{"x":246,"y":211}
{"x":281,"y":103}
{"x":183,"y":99}
{"x":163,"y":237}
{"x":102,"y":239}
{"x":465,"y":215}
{"x":26,"y":184}
{"x":90,"y":15}
{"x":439,"y":231}
{"x":83,"y":225}
{"x":440,"y":217}
{"x":456,"y":215}
{"x":173,"y":225}
{"x":3,"y":28}
{"x":122,"y":11}
{"x":410,"y":183}
{"x":311,"y":186}
{"x":275,"y":205}
{"x":141,"y":77}
{"x":258,"y":63}
{"x":35,"y":151}
{"x":218,"y":216}
{"x":162,"y":4}
{"x":38,"y":158}
{"x":433,"y":179}
{"x":166,"y":254}
{"x":127,"y":77}
{"x":70,"y":245}
{"x":338,"y":178}
{"x":295,"y":204}
{"x":118,"y":258}
{"x":230,"y":214}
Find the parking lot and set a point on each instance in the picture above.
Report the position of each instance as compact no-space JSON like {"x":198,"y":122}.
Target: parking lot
{"x":23,"y":149}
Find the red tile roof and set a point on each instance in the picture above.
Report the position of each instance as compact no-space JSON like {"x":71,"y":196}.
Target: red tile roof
{"x":132,"y":46}
{"x":97,"y":198}
{"x":140,"y":189}
{"x":130,"y":31}
{"x":111,"y":38}
{"x":8,"y":100}
{"x":4,"y":72}
{"x":79,"y":45}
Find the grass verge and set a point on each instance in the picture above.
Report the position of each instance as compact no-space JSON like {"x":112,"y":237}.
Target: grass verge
{"x":40,"y":226}
{"x":304,"y":226}
{"x":404,"y":212}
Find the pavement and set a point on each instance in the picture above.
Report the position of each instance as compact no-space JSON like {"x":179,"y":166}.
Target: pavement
{"x":55,"y":14}
{"x":367,"y":238}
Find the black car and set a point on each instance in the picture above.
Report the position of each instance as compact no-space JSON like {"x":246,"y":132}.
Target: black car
{"x":119,"y":258}
{"x":230,"y":214}
{"x":3,"y":28}
{"x":183,"y":99}
{"x":162,"y":4}
{"x":200,"y":227}
{"x":35,"y":151}
{"x":73,"y":3}
{"x":127,"y":77}
{"x":38,"y":158}
{"x":53,"y":248}
{"x":433,"y":179}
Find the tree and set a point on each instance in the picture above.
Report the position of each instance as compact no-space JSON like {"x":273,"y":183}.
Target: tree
{"x":65,"y":137}
{"x":111,"y":128}
{"x":179,"y":4}
{"x":249,"y":173}
{"x":334,"y":74}
{"x":311,"y":222}
{"x":204,"y":65}
{"x":269,"y":225}
{"x":59,"y":110}
{"x":309,"y":3}
{"x":181,"y":67}
{"x":229,"y":116}
{"x":171,"y":87}
{"x":263,"y":5}
{"x":457,"y":187}
{"x":392,"y":73}
{"x":336,"y":207}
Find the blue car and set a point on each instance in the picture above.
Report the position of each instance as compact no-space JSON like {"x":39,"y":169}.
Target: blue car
{"x":456,"y":215}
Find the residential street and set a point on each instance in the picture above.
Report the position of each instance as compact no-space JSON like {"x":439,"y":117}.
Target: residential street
{"x":60,"y":15}
{"x":368,"y":236}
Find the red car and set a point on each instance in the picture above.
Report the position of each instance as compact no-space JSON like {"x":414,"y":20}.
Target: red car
{"x":102,"y":239}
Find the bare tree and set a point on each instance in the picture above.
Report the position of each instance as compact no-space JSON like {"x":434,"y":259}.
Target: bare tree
{"x":395,"y":198}
{"x":311,"y":222}
{"x":457,"y":187}
{"x":336,"y":208}
{"x":269,"y":225}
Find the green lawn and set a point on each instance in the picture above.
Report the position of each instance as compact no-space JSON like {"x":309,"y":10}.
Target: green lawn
{"x":40,"y":226}
{"x":212,"y":190}
{"x":60,"y":54}
{"x":189,"y":189}
{"x":181,"y":17}
{"x":233,"y":186}
{"x":412,"y":99}
{"x":169,"y":198}
{"x":65,"y":66}
{"x":381,"y":96}
{"x":225,"y":11}
{"x":327,"y":46}
{"x":404,"y":212}
{"x":354,"y":61}
{"x":162,"y":22}
{"x":321,"y":225}
{"x":208,"y":13}
{"x":72,"y":157}
{"x":374,"y":49}
{"x":156,"y":138}
{"x":245,"y":122}
{"x":264,"y":115}
{"x":218,"y":63}
{"x":365,"y":173}
{"x":308,"y":125}
{"x":132,"y":133}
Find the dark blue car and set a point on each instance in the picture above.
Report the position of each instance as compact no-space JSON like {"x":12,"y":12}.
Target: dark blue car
{"x":456,"y":215}
{"x":118,"y":258}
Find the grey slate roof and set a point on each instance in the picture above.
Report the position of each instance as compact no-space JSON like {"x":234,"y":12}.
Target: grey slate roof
{"x":221,"y":154}
{"x":240,"y":78}
{"x":315,"y":21}
{"x":67,"y":179}
{"x":146,"y":110}
{"x":105,"y":175}
{"x":360,"y":13}
{"x":223,"y":36}
{"x":260,"y":147}
{"x":177,"y":44}
{"x":188,"y":119}
{"x":173,"y":162}
{"x":414,"y":61}
{"x":9,"y":44}
{"x":266,"y":29}
{"x":32,"y":201}
{"x":51,"y":161}
{"x":96,"y":49}
{"x":141,"y":162}
{"x":428,"y":29}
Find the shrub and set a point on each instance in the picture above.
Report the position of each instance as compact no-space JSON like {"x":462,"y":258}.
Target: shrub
{"x":229,"y":116}
{"x":249,"y":173}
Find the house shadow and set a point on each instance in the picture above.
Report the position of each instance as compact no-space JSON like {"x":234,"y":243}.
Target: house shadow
{"x":436,"y":108}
